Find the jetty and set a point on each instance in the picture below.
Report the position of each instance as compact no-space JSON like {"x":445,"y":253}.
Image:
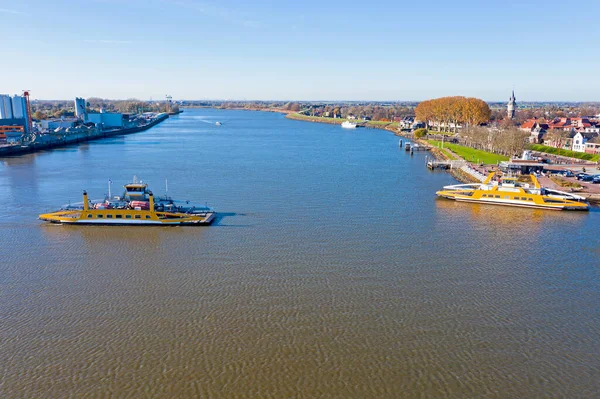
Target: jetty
{"x":412,"y":147}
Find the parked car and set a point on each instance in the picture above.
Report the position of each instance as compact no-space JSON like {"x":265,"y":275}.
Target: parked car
{"x":596,"y":179}
{"x":578,"y":176}
{"x":568,"y":173}
{"x":586,"y":178}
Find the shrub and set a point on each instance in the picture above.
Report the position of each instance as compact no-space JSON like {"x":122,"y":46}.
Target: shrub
{"x":565,"y":153}
{"x":420,"y":133}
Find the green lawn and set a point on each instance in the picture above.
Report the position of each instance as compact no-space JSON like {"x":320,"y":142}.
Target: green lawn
{"x":470,"y":154}
{"x":565,"y":153}
{"x":450,"y":155}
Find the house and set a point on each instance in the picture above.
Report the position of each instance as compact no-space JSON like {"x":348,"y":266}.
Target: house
{"x":532,"y":124}
{"x":580,"y":139}
{"x":537,"y":135}
{"x":569,"y":124}
{"x":595,"y":128}
{"x":561,"y":124}
{"x":592,"y":148}
{"x":406,"y":122}
{"x":536,"y":129}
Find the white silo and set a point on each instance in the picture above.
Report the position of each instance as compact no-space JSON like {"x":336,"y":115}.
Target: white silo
{"x":19,"y":107}
{"x":5,"y":107}
{"x":80,"y":107}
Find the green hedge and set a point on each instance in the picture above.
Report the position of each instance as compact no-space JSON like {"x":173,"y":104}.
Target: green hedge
{"x":565,"y":153}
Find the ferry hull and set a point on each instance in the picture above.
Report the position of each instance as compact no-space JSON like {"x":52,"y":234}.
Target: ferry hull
{"x":66,"y":219}
{"x":557,"y":207}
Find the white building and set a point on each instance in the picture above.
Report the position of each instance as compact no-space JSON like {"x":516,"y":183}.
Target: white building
{"x":52,"y":124}
{"x":106,"y":119}
{"x":580,"y":139}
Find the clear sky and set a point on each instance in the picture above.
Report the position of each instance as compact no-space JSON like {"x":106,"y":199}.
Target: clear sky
{"x":301,"y":50}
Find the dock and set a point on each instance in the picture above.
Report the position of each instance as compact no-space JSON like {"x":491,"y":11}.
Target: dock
{"x":411,"y":147}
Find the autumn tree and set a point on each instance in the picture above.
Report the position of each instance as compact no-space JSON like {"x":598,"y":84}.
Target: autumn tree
{"x":456,"y":110}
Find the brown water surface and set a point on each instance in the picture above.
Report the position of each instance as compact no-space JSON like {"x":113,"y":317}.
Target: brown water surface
{"x":332,"y":272}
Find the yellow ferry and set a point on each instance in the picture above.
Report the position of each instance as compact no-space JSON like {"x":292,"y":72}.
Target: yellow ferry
{"x":137,"y":206}
{"x":510,"y":191}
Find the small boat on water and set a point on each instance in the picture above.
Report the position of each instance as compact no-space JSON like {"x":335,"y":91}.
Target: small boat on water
{"x":218,"y":123}
{"x":137,"y":206}
{"x":348,"y":125}
{"x":512,"y":191}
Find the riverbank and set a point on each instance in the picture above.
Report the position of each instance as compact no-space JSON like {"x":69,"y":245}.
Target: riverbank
{"x":390,"y":126}
{"x":276,"y":110}
{"x":63,"y":141}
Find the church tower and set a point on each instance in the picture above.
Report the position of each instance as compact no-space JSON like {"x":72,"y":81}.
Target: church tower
{"x":512,"y":105}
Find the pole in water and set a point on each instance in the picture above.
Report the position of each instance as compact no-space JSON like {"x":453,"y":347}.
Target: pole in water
{"x":166,"y":186}
{"x":109,"y":183}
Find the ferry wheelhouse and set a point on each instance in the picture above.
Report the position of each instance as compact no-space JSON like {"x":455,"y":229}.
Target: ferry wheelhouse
{"x":137,"y":206}
{"x":511,"y":191}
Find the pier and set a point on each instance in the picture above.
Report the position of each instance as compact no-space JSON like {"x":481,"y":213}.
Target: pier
{"x":415,"y":147}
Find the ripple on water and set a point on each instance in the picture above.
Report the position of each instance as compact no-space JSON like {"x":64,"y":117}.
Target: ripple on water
{"x":335,"y":274}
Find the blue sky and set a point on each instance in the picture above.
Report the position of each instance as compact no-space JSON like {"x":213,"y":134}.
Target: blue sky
{"x":307,"y":50}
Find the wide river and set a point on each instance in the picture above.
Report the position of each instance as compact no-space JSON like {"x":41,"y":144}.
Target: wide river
{"x":333,"y":271}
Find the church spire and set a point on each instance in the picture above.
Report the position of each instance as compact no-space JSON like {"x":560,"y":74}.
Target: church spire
{"x":511,"y":106}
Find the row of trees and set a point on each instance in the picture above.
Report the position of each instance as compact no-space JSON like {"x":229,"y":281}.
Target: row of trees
{"x":509,"y":142}
{"x":445,"y":112}
{"x":375,"y":112}
{"x":56,"y":109}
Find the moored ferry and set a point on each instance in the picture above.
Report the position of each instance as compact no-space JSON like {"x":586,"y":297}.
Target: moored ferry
{"x":137,"y":206}
{"x":511,"y":191}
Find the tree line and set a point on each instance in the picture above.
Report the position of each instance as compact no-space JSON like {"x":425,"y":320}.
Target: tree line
{"x":445,"y":112}
{"x":509,"y":142}
{"x":56,"y":109}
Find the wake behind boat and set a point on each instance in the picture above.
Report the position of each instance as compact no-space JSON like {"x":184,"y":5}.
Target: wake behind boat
{"x":137,"y":206}
{"x":511,"y":191}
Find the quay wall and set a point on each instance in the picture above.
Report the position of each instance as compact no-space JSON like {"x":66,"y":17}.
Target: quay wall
{"x":34,"y":147}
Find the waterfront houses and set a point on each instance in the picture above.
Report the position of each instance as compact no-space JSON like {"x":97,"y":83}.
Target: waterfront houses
{"x":578,"y":132}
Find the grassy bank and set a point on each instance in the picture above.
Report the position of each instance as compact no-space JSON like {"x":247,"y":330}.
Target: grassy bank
{"x":471,"y":154}
{"x":565,"y":153}
{"x":318,"y":119}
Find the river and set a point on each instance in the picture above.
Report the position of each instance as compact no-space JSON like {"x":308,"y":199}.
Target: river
{"x":333,"y":271}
